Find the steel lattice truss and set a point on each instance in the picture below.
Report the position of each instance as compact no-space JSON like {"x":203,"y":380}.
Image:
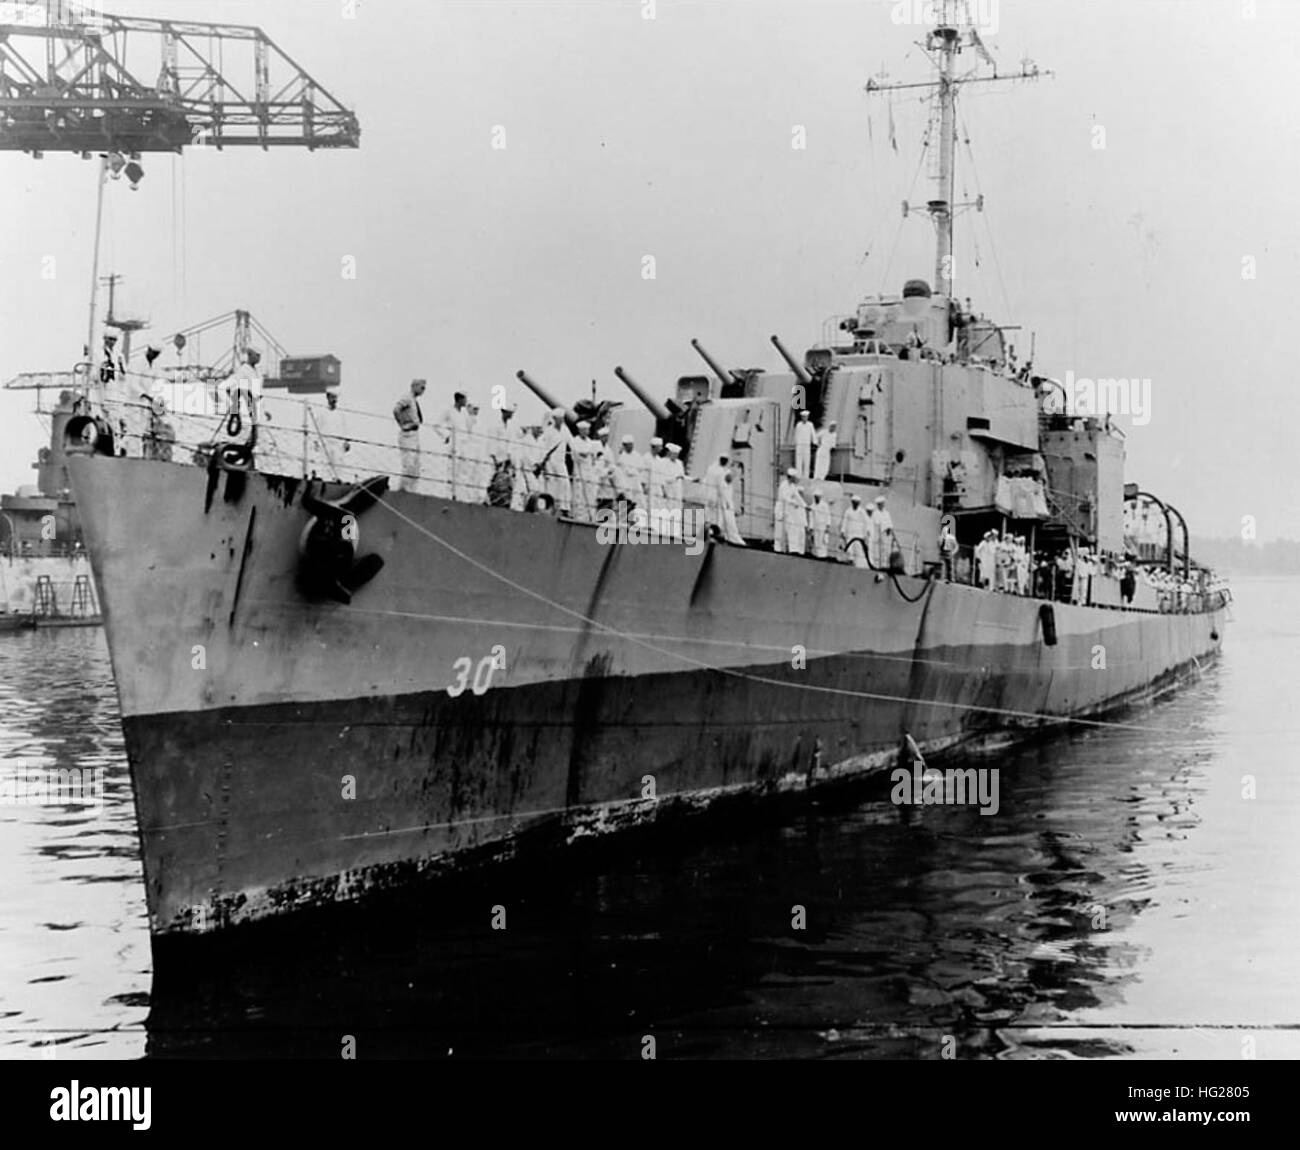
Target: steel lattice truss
{"x":65,"y":85}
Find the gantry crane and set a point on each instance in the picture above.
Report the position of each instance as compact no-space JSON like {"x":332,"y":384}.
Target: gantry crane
{"x":73,"y":79}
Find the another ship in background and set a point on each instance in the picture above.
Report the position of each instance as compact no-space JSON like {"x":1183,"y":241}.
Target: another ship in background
{"x":45,"y":576}
{"x":69,"y":83}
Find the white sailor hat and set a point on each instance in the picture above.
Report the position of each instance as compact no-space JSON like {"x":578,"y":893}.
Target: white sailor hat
{"x":603,"y":433}
{"x":656,"y":442}
{"x":792,"y":473}
{"x":557,"y":413}
{"x":628,"y":440}
{"x":674,"y":449}
{"x":880,"y":499}
{"x":334,"y":391}
{"x":856,"y":497}
{"x":584,"y":423}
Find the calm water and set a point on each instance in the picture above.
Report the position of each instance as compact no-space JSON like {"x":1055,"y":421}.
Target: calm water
{"x":1125,"y":901}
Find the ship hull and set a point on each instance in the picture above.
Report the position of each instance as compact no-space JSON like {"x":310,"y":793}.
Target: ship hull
{"x":508,"y":680}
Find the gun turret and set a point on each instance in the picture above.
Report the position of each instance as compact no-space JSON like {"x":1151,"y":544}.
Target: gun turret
{"x":658,"y":410}
{"x":545,"y":396}
{"x":799,"y":373}
{"x":727,"y":378}
{"x":672,"y":421}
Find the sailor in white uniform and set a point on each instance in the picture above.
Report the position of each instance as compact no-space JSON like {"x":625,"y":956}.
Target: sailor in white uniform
{"x":674,"y":488}
{"x":794,"y":516}
{"x":554,"y":447}
{"x":826,"y":440}
{"x":629,"y":480}
{"x":820,"y":514}
{"x":586,"y":453}
{"x":881,"y":542}
{"x":855,"y":531}
{"x":328,"y":443}
{"x":804,"y":434}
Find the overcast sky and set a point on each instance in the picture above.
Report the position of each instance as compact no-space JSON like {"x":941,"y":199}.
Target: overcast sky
{"x":671,"y":137}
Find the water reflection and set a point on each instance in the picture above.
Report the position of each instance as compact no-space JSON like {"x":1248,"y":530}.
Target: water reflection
{"x":939,"y":925}
{"x":74,"y":946}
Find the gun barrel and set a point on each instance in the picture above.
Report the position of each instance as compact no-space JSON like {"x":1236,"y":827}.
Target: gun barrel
{"x":545,"y":396}
{"x":657,"y":409}
{"x":801,"y":375}
{"x":722,"y":373}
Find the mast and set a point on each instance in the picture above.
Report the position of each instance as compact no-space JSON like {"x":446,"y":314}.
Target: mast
{"x":94,"y":270}
{"x":954,"y":31}
{"x":944,"y":39}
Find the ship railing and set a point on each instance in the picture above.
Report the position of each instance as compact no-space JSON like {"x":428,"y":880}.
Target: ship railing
{"x":452,"y":463}
{"x":291,"y":440}
{"x":490,"y":466}
{"x":496,"y":466}
{"x":14,"y":548}
{"x":1002,"y":577}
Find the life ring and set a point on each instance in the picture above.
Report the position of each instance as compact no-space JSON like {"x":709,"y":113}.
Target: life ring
{"x":234,"y":425}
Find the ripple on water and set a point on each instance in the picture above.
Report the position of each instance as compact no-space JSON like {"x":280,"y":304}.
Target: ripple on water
{"x":74,"y":935}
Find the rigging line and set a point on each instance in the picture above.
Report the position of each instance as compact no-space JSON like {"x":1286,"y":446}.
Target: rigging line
{"x":176,"y":220}
{"x":185,"y":231}
{"x":872,"y":184}
{"x":993,"y":247}
{"x":875,"y":696}
{"x":884,"y":276}
{"x":925,"y":145}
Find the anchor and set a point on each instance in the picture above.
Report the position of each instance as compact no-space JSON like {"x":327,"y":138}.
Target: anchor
{"x":328,"y":567}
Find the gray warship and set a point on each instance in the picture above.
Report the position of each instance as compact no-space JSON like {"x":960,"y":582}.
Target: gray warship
{"x":333,"y":685}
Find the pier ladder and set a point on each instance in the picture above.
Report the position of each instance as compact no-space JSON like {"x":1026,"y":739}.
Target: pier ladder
{"x":83,"y":598}
{"x":46,"y":604}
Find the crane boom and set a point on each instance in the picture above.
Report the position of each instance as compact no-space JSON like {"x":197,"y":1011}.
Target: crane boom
{"x":72,"y":80}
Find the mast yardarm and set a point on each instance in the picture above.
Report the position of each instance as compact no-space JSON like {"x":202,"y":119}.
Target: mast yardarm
{"x":954,"y":32}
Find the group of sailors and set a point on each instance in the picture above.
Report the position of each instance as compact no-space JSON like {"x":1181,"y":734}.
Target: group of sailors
{"x":1173,"y":593}
{"x":580,"y":475}
{"x":498,"y":462}
{"x":1003,"y":562}
{"x":135,"y":404}
{"x":812,"y":447}
{"x":865,"y":533}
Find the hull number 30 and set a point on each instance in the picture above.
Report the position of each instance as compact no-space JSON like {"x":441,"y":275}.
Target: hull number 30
{"x":487,"y":666}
